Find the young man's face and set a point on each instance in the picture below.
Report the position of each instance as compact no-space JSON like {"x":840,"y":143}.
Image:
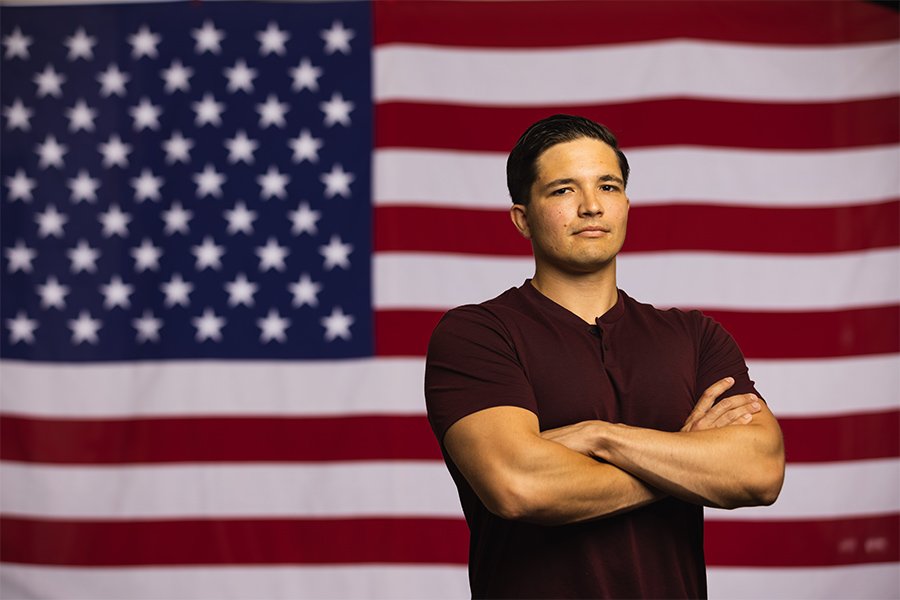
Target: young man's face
{"x":578,"y":212}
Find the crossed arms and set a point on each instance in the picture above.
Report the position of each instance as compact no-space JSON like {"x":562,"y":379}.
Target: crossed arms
{"x":726,"y":455}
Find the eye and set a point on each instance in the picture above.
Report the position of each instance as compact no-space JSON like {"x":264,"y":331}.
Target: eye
{"x":608,"y":187}
{"x":560,"y":191}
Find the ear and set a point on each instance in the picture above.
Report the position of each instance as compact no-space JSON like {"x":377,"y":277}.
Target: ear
{"x":519,"y":215}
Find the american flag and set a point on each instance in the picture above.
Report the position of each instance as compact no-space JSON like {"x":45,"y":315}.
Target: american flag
{"x":228,"y":229}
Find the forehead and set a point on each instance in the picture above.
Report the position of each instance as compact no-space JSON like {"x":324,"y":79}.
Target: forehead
{"x":584,"y":156}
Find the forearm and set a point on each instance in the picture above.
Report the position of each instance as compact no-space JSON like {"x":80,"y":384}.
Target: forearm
{"x":725,"y":467}
{"x":518,"y":474}
{"x":553,"y":485}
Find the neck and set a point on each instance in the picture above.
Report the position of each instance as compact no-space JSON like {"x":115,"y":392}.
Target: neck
{"x":588,"y":295}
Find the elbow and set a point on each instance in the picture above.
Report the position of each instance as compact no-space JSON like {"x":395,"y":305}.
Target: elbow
{"x":760,"y":487}
{"x":514,"y":499}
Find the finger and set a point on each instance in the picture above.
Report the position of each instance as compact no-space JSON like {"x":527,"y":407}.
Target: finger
{"x":740,"y":415}
{"x":740,"y":404}
{"x":706,"y":400}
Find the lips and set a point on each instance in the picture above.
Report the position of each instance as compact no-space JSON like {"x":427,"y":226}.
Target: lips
{"x":593,"y":230}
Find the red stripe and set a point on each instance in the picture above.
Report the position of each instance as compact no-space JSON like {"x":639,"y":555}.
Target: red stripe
{"x":421,"y":541}
{"x":113,"y":441}
{"x":236,"y":542}
{"x":840,"y":438}
{"x":803,"y":543}
{"x":650,"y":123}
{"x":851,"y":332}
{"x":97,"y":442}
{"x":554,"y":24}
{"x":700,"y":227}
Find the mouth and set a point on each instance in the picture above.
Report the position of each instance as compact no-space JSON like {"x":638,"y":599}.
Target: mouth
{"x":593,"y":231}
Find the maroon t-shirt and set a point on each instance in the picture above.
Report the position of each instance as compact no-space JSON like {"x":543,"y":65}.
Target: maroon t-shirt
{"x":637,"y":365}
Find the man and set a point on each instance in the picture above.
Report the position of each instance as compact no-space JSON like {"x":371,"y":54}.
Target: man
{"x":585,"y":431}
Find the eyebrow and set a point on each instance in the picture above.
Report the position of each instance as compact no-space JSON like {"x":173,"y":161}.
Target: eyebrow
{"x":568,"y":180}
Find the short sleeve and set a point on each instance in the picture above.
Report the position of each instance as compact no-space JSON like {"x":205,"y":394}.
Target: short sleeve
{"x":472,"y":364}
{"x":720,"y":357}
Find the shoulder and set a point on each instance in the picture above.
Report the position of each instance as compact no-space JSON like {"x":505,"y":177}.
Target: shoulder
{"x":490,"y":318}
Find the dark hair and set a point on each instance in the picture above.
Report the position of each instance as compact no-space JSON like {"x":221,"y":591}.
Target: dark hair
{"x":521,"y":166}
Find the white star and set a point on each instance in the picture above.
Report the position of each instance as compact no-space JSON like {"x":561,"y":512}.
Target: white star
{"x":241,"y":148}
{"x":208,"y":38}
{"x":337,"y":39}
{"x":146,"y":187}
{"x":272,"y":112}
{"x":84,"y":187}
{"x":337,"y":182}
{"x":51,"y":153}
{"x":49,"y":82}
{"x":116,"y":293}
{"x":240,"y":77}
{"x":271,"y":256}
{"x":306,"y":76}
{"x":20,"y":257}
{"x":177,"y":291}
{"x":336,"y":253}
{"x":272,"y":327}
{"x":84,"y":328}
{"x":21,"y":328}
{"x":273,"y":183}
{"x":145,"y":115}
{"x":272,"y":40}
{"x":209,"y":182}
{"x":177,"y":219}
{"x":337,"y":325}
{"x":304,"y":219}
{"x":17,"y":116}
{"x":81,"y":116}
{"x":81,"y":45}
{"x":305,"y":147}
{"x":209,"y":326}
{"x":53,"y":295}
{"x":50,"y":222}
{"x":115,"y":153}
{"x":20,"y":187}
{"x":208,"y":254}
{"x":115,"y":222}
{"x":147,"y":327}
{"x":143,"y":43}
{"x":17,"y":45}
{"x":146,"y":256}
{"x":177,"y":77}
{"x":337,"y":110}
{"x":240,"y":291}
{"x":240,"y":219}
{"x":112,"y":81}
{"x":83,"y":257}
{"x":305,"y":291}
{"x":178,"y":148}
{"x":208,"y":111}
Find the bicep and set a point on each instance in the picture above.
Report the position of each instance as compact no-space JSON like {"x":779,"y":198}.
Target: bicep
{"x":490,"y":447}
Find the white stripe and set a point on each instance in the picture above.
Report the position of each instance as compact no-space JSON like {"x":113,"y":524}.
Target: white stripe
{"x":665,"y":175}
{"x":829,"y":387}
{"x":390,"y":488}
{"x":156,"y":388}
{"x":684,"y":279}
{"x":638,"y":71}
{"x":828,"y":490}
{"x":320,"y":582}
{"x":366,"y":489}
{"x":842,"y":582}
{"x":793,"y":388}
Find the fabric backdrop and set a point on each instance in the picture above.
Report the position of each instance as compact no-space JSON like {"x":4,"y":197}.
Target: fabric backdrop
{"x":229,"y":228}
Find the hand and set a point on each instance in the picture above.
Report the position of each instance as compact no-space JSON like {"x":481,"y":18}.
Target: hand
{"x":579,"y":437}
{"x":734,"y":410}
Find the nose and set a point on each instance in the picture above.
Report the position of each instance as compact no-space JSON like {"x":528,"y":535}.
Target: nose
{"x":591,"y":205}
